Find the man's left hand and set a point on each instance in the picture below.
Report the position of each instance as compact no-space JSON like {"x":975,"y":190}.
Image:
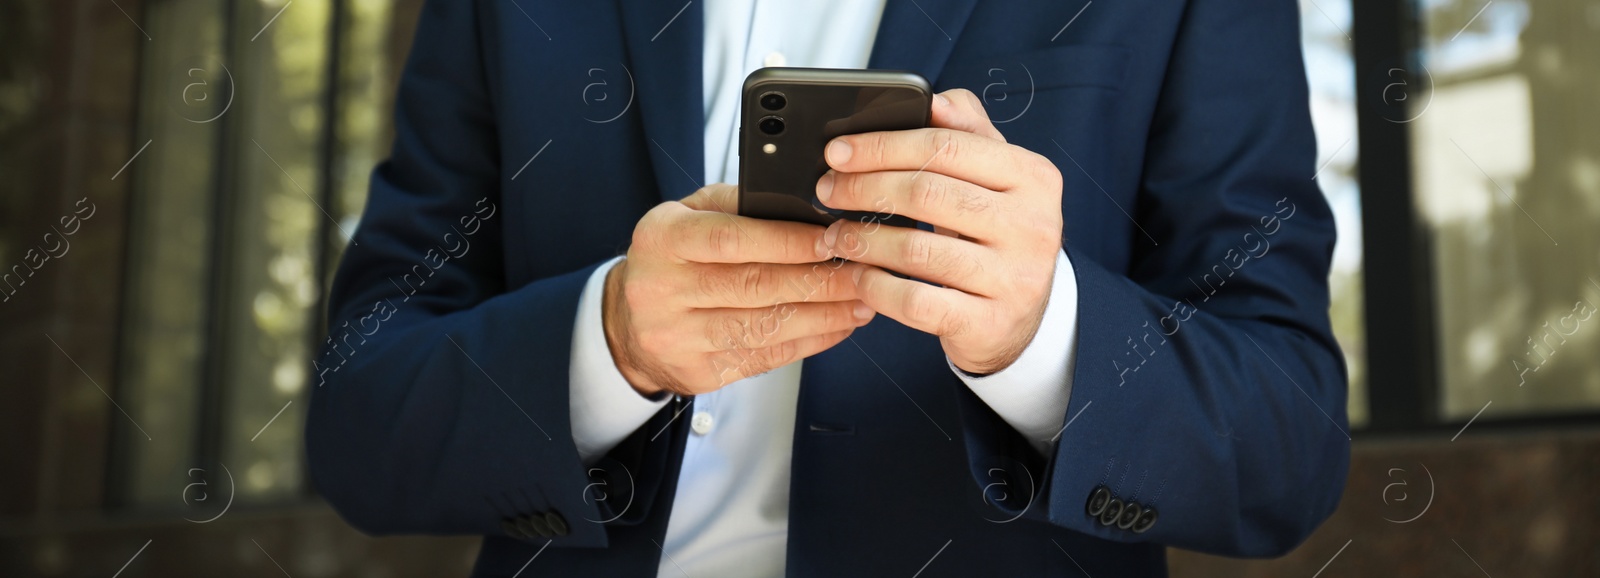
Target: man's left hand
{"x":996,"y":212}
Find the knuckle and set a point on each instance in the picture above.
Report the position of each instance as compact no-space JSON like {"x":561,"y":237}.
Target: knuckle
{"x":944,"y":192}
{"x":929,"y":192}
{"x":675,"y":232}
{"x":724,"y":242}
{"x":855,"y":185}
{"x":973,"y":100}
{"x":1042,"y":227}
{"x":877,"y":148}
{"x":918,"y":251}
{"x":942,"y":145}
{"x":821,"y":283}
{"x":755,"y":281}
{"x":1046,"y":171}
{"x":780,"y":355}
{"x":648,"y":230}
{"x":925,"y":252}
{"x":919,"y":306}
{"x":926,"y":308}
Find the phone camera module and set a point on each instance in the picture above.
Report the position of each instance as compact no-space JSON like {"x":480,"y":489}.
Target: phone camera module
{"x":771,"y":126}
{"x":773,"y":101}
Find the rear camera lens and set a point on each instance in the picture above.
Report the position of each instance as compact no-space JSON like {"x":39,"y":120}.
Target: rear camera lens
{"x":771,"y":126}
{"x":773,"y":101}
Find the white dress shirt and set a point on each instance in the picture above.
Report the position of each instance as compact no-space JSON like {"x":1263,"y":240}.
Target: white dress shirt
{"x":731,"y":512}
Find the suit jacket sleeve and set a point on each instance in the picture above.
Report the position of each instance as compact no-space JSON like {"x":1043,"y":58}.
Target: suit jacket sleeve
{"x":441,"y":403}
{"x":1208,"y":386}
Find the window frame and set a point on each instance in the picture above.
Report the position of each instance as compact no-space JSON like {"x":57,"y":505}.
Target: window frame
{"x":212,"y":383}
{"x":1404,"y":386}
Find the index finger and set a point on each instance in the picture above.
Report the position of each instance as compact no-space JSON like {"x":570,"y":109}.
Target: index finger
{"x":716,"y":237}
{"x":979,"y":160}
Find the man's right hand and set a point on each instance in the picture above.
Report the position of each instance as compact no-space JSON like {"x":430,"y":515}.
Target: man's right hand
{"x":705,"y":297}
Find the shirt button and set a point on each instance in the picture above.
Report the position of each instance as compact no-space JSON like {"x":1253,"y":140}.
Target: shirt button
{"x":775,"y":59}
{"x":701,"y":423}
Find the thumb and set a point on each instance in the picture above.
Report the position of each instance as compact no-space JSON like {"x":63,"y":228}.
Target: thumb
{"x":719,"y":197}
{"x":960,"y":109}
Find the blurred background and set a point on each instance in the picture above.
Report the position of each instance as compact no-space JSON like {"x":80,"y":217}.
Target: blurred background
{"x":178,"y":178}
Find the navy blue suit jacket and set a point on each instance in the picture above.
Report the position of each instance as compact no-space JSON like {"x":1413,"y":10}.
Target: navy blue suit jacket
{"x":530,"y":139}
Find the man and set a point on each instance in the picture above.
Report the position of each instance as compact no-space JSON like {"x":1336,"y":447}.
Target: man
{"x":1121,"y":342}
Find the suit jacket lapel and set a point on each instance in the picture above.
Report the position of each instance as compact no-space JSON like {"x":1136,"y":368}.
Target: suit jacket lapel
{"x":918,"y":35}
{"x":664,"y":41}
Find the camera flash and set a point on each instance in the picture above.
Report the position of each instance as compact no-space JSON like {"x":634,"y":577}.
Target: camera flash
{"x":769,"y":148}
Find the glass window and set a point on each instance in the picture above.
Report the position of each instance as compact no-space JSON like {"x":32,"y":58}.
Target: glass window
{"x":256,"y":170}
{"x":276,"y":212}
{"x":186,"y":94}
{"x":1508,"y":180}
{"x":367,"y":83}
{"x":1330,"y":70}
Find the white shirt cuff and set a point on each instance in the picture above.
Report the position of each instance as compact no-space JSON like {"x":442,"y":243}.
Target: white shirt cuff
{"x":1032,"y":393}
{"x":605,"y":409}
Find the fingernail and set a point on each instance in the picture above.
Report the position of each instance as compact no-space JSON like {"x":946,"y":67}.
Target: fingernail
{"x":941,"y":100}
{"x":863,"y":312}
{"x":855,"y":276}
{"x":825,"y":187}
{"x":838,"y":152}
{"x":822,"y":250}
{"x":832,"y":234}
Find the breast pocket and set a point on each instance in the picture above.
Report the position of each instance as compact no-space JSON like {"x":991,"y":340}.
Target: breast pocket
{"x":1010,"y":85}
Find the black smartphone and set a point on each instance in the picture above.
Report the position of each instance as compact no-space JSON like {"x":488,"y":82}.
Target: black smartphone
{"x":788,"y":116}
